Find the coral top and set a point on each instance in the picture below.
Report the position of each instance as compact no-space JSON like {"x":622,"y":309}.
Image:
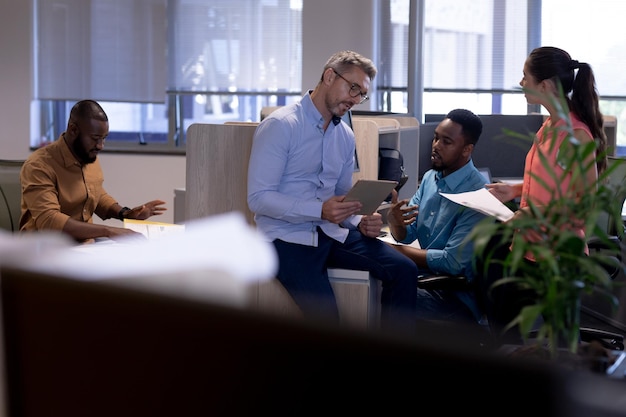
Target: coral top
{"x":533,"y":190}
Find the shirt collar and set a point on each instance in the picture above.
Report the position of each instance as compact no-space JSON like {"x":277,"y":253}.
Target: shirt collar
{"x":66,"y":153}
{"x":310,"y":111}
{"x":313,"y":114}
{"x":458,"y":177}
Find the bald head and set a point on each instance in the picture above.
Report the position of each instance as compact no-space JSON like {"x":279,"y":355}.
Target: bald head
{"x":85,"y":110}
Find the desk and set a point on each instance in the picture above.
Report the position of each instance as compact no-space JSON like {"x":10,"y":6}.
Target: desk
{"x":509,"y":180}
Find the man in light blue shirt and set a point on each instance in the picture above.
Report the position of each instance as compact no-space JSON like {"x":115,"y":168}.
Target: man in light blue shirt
{"x":439,"y":225}
{"x":300,"y":169}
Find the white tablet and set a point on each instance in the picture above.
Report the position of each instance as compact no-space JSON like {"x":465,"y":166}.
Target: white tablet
{"x":371,"y":193}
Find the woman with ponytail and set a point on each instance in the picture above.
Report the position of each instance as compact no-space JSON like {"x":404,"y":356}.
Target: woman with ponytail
{"x":566,"y":89}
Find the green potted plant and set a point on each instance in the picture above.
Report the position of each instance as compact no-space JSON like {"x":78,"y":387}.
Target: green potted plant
{"x":564,"y":272}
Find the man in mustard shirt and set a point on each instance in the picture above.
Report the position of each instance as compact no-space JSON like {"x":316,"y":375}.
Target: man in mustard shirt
{"x":62,"y":183}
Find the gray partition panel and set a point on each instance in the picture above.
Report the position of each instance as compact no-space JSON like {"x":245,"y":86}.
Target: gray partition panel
{"x":496,"y":149}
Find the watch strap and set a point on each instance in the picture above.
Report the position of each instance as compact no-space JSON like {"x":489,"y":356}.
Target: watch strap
{"x":122,"y":213}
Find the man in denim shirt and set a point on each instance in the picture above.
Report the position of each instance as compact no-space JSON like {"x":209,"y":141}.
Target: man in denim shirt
{"x":440,"y":225}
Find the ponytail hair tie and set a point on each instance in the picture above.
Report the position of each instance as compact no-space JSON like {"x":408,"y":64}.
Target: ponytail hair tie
{"x":573,"y":64}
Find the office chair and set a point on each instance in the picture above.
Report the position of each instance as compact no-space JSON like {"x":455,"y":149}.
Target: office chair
{"x":608,"y":339}
{"x":10,"y":194}
{"x":444,"y":282}
{"x":472,"y":334}
{"x":617,"y":182}
{"x":611,"y":241}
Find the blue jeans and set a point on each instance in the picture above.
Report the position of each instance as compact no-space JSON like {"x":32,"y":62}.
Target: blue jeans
{"x":303,"y":271}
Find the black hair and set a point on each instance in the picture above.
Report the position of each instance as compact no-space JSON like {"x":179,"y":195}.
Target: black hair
{"x":471,"y":124}
{"x":549,"y":62}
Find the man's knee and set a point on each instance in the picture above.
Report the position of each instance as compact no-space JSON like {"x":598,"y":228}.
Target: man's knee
{"x":406,"y":266}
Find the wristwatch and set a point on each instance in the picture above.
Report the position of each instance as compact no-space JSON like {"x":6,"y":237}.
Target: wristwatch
{"x":122,"y":213}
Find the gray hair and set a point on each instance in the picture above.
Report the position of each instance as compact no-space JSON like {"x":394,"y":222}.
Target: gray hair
{"x":342,"y":61}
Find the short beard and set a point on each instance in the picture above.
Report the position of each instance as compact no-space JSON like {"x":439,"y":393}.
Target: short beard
{"x":437,"y":168}
{"x":81,"y":153}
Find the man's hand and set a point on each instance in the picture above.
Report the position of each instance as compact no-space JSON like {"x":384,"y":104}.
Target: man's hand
{"x":151,"y":208}
{"x":123,"y":234}
{"x":371,"y":224}
{"x":400,"y":216}
{"x":335,"y":210}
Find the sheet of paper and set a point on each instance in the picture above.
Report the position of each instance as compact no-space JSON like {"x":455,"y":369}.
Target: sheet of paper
{"x":483,"y":201}
{"x":216,"y":259}
{"x":386,"y":236}
{"x":212,"y":243}
{"x":153,"y":230}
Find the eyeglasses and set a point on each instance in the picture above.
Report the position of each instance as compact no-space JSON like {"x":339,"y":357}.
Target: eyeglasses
{"x":355,"y":89}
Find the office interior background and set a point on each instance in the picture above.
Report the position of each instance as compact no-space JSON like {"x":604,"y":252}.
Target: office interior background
{"x":157,"y":66}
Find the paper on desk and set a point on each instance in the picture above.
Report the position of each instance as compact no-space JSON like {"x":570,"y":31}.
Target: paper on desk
{"x":153,"y":230}
{"x":483,"y":201}
{"x":216,"y":257}
{"x":221,"y":242}
{"x":388,"y":238}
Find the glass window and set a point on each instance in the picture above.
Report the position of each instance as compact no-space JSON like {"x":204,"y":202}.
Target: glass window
{"x":472,"y":55}
{"x":230,"y":58}
{"x":191,"y":60}
{"x":474,"y":52}
{"x":198,"y":61}
{"x":111,"y":50}
{"x":588,"y":33}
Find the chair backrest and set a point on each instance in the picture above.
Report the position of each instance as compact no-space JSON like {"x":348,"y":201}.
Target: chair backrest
{"x":617,"y":182}
{"x":10,"y":194}
{"x":265,"y":111}
{"x":609,"y":126}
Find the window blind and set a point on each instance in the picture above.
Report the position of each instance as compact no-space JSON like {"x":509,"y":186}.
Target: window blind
{"x":109,"y":50}
{"x":236,"y":45}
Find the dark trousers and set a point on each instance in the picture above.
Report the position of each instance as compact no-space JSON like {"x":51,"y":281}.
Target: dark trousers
{"x":501,"y":303}
{"x":303,"y":271}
